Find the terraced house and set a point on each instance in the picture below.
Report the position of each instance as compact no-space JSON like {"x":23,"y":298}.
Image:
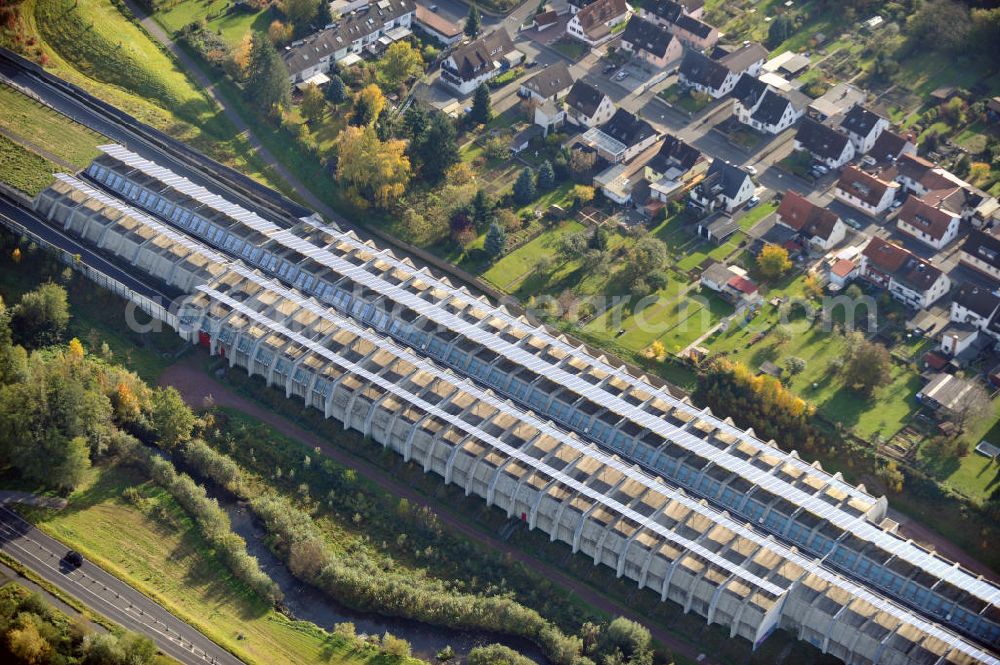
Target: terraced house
{"x":664,"y":493}
{"x":363,"y":28}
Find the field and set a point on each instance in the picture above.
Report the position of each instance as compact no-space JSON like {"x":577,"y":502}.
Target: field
{"x":158,"y":550}
{"x":231,"y":25}
{"x":24,"y":170}
{"x":41,"y":127}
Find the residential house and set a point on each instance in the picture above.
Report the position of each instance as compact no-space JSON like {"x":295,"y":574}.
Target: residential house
{"x":550,"y":84}
{"x":863,"y":127}
{"x":615,"y":184}
{"x":960,"y":339}
{"x":841,"y":272}
{"x":437,"y":26}
{"x":549,"y":115}
{"x":934,"y":226}
{"x":826,"y":145}
{"x":716,"y":276}
{"x":864,"y":191}
{"x":523,"y":138}
{"x":725,"y":187}
{"x":890,"y":146}
{"x":981,"y":252}
{"x":944,"y":394}
{"x":350,"y":34}
{"x":747,"y":94}
{"x":675,"y":165}
{"x":651,"y":43}
{"x":682,"y":20}
{"x":742,"y":292}
{"x":908,"y":278}
{"x":621,"y":138}
{"x":834,"y":102}
{"x":667,"y":11}
{"x":765,"y":109}
{"x":979,"y":307}
{"x":477,"y":62}
{"x":718,"y":77}
{"x":587,"y":106}
{"x":943,"y":189}
{"x":594,"y":23}
{"x":820,"y":228}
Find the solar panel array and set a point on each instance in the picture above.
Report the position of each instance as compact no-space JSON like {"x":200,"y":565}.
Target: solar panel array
{"x":745,"y":531}
{"x":434,"y":312}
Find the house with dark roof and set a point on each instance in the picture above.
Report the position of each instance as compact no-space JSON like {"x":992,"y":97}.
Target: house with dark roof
{"x":819,"y":227}
{"x":863,"y":127}
{"x":717,"y":227}
{"x":724,"y":187}
{"x":934,"y":226}
{"x":718,"y":77}
{"x":907,"y":277}
{"x":826,"y":145}
{"x":593,"y":24}
{"x":675,"y":165}
{"x":587,"y":106}
{"x":477,"y":62}
{"x":865,"y":191}
{"x":551,"y":84}
{"x":350,"y":34}
{"x":546,"y":20}
{"x":650,"y":42}
{"x":622,"y":137}
{"x":437,"y":26}
{"x":977,"y":306}
{"x":981,"y":252}
{"x":943,"y":189}
{"x":944,"y":393}
{"x":890,"y":146}
{"x":765,"y":109}
{"x":683,"y":20}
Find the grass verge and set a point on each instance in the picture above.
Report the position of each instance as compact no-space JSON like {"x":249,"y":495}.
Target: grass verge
{"x":24,"y":170}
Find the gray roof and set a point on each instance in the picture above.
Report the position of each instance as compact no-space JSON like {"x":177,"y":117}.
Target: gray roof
{"x":771,"y":108}
{"x":478,"y":56}
{"x":646,"y":36}
{"x":728,"y":177}
{"x":699,"y":68}
{"x":627,"y":128}
{"x":674,"y":153}
{"x":860,"y":120}
{"x":820,"y":140}
{"x":749,"y":89}
{"x":550,"y":81}
{"x":980,"y":300}
{"x":584,"y":97}
{"x":356,"y":25}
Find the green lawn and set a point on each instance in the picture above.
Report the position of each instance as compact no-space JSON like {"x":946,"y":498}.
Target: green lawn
{"x":751,"y":218}
{"x":232,"y":25}
{"x":512,"y":272}
{"x":573,"y":49}
{"x":48,"y":129}
{"x":23,"y":169}
{"x":680,"y":97}
{"x":157,"y":549}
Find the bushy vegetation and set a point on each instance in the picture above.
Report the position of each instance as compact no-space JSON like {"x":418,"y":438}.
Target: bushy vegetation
{"x":23,"y":169}
{"x":213,"y":523}
{"x":34,"y":633}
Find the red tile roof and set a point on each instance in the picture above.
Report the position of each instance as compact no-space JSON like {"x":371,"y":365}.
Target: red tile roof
{"x":742,"y":284}
{"x":866,"y":187}
{"x":843,"y":267}
{"x":925,"y":217}
{"x":800,"y":214}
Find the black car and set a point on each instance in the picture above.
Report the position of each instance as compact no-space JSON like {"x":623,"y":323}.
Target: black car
{"x":73,"y":558}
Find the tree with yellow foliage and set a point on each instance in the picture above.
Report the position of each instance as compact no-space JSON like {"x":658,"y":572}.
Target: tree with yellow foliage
{"x":658,"y":350}
{"x":16,"y":255}
{"x":368,"y":106}
{"x":279,"y":33}
{"x":400,"y":62}
{"x":76,"y":349}
{"x":376,"y":171}
{"x":773,"y":261}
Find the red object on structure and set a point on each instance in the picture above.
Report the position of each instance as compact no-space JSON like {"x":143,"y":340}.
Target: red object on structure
{"x":204,"y":339}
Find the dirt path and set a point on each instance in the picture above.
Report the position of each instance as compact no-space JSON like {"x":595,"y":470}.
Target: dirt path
{"x":188,"y":377}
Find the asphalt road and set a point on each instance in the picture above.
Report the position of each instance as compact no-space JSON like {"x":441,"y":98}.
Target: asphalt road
{"x":107,"y":595}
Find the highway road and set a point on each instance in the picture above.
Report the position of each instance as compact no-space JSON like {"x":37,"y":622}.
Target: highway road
{"x":107,"y":595}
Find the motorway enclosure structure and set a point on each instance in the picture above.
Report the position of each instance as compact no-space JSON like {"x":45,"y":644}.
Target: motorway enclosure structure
{"x":668,"y":495}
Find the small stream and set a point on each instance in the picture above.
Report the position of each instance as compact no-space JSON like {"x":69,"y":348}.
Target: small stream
{"x":308,"y":603}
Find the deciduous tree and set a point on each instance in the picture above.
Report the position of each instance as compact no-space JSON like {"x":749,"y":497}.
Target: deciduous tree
{"x":368,"y":106}
{"x":313,"y":104}
{"x":400,"y":62}
{"x":773,"y":261}
{"x":867,"y":366}
{"x":377,"y":171}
